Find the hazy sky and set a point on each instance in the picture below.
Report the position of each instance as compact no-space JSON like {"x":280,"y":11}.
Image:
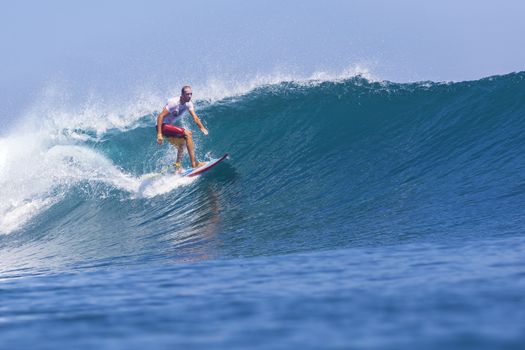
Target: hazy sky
{"x":120,"y":45}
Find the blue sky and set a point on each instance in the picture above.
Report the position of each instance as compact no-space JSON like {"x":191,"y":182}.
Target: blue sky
{"x":115,"y":46}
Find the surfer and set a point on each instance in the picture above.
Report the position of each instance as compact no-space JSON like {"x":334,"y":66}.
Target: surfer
{"x":177,"y":136}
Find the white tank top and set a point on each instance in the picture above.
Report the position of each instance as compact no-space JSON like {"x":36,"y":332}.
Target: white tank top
{"x":176,"y":110}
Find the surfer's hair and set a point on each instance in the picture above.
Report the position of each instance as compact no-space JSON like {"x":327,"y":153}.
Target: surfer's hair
{"x":183,"y":88}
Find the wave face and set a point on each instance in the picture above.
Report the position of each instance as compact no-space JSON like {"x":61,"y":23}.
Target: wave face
{"x":351,"y":212}
{"x":313,"y":166}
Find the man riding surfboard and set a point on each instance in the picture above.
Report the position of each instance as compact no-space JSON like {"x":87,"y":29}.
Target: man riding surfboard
{"x":171,"y":113}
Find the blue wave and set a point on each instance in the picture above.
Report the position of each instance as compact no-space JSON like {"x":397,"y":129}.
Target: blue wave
{"x":405,"y":202}
{"x":313,"y":166}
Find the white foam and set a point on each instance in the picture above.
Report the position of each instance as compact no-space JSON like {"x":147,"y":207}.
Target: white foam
{"x":215,"y":89}
{"x":35,"y":173}
{"x":20,"y":213}
{"x":57,"y":111}
{"x":152,"y":185}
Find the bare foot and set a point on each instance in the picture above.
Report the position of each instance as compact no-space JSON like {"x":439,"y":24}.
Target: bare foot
{"x":198,"y":164}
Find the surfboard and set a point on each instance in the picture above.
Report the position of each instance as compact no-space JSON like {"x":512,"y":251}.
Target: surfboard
{"x":207,"y":166}
{"x":170,"y":171}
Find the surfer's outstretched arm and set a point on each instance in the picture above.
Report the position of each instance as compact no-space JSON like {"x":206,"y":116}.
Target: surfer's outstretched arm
{"x":160,"y":119}
{"x":198,"y":122}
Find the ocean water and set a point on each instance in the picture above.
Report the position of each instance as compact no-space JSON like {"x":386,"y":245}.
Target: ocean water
{"x":351,"y":214}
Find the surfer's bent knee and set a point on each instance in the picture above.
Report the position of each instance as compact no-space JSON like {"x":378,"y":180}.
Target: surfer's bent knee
{"x":187,"y":134}
{"x":176,"y":141}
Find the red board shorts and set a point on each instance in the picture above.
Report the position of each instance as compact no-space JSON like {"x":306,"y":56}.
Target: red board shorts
{"x":172,"y":130}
